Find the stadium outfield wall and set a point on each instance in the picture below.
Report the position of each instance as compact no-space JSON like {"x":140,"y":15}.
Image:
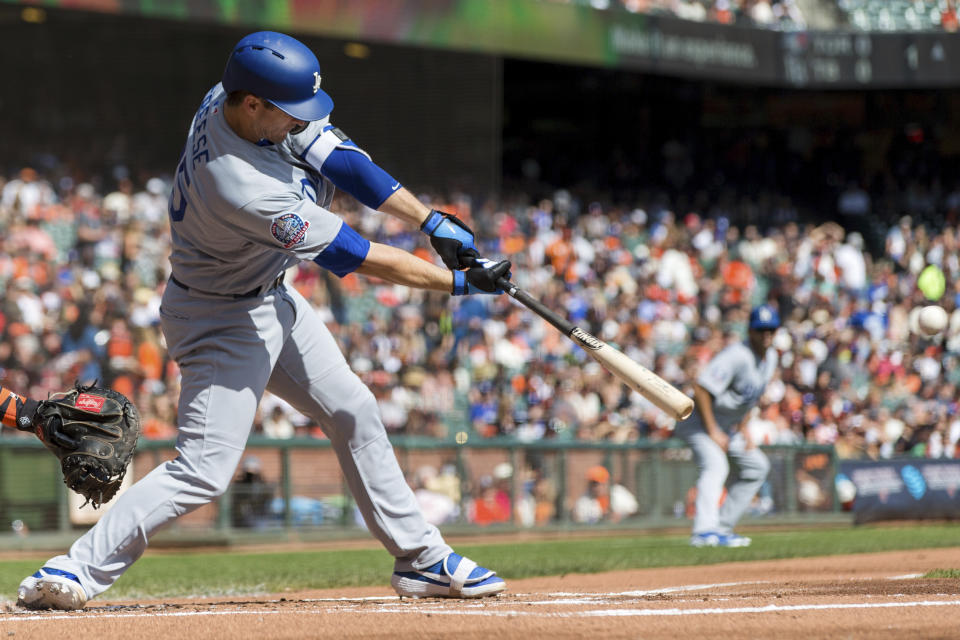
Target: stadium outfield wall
{"x":576,"y":34}
{"x":299,"y":486}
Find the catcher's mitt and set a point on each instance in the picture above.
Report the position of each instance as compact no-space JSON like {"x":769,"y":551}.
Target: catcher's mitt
{"x":93,"y":432}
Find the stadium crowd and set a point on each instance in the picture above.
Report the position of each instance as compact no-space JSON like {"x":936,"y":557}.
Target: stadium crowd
{"x":777,"y":14}
{"x":793,"y":15}
{"x":83,"y":268}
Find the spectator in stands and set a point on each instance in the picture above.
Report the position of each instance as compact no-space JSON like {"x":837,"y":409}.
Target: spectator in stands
{"x":447,"y":482}
{"x":251,"y":495}
{"x":25,"y":195}
{"x":502,"y":478}
{"x":437,"y":507}
{"x":485,"y":509}
{"x":594,"y":505}
{"x":544,"y":495}
{"x":277,"y":424}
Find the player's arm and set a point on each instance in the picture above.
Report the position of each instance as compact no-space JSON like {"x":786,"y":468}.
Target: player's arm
{"x":703,"y":400}
{"x":16,"y":411}
{"x":336,"y":157}
{"x":304,"y":230}
{"x":401,"y":267}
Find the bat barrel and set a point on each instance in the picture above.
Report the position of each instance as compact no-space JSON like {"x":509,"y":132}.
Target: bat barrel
{"x":667,"y":397}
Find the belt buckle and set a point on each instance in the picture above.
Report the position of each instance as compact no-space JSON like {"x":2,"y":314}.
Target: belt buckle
{"x":262,"y":291}
{"x":276,"y":282}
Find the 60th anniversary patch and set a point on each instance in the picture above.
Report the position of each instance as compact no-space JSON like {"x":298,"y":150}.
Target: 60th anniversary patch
{"x":289,"y":229}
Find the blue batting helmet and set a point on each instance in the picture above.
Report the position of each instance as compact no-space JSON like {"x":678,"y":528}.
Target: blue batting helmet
{"x":764,"y":318}
{"x":281,"y":70}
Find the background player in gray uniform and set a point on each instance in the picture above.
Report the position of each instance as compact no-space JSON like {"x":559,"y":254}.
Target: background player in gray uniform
{"x":727,"y":388}
{"x":258,"y":169}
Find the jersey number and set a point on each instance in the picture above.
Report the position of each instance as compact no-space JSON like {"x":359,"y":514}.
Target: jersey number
{"x":178,"y":199}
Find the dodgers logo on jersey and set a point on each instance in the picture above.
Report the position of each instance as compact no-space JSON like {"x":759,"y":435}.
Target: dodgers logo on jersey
{"x":289,"y":229}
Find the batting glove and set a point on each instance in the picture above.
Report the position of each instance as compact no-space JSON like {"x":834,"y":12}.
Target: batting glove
{"x":451,"y":238}
{"x":481,"y":278}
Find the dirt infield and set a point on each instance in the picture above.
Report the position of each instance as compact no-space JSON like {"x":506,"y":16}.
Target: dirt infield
{"x":877,"y":595}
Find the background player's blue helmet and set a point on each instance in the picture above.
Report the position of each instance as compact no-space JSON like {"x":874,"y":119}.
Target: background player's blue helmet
{"x":764,"y":318}
{"x":281,"y":70}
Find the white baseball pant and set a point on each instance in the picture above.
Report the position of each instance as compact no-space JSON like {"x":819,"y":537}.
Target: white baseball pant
{"x":714,"y":466}
{"x":229,"y":351}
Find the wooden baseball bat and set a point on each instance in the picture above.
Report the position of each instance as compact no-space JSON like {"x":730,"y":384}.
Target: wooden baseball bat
{"x":645,"y":382}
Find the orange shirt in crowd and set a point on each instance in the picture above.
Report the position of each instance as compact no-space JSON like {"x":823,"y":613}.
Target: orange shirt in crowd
{"x":151,"y":361}
{"x":487,"y":510}
{"x":560,"y":254}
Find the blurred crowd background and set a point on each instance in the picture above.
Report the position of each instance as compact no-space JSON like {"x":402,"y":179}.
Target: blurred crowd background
{"x":782,"y":14}
{"x":789,"y":15}
{"x":83,"y":266}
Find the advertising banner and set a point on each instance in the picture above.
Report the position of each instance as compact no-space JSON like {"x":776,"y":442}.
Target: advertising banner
{"x":576,"y":33}
{"x":901,"y":489}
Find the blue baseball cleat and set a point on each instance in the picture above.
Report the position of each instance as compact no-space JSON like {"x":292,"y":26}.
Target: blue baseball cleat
{"x":711,"y":539}
{"x":51,"y":588}
{"x":453,"y":577}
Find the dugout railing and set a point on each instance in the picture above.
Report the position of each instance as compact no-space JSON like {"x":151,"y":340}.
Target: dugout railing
{"x":295,"y":486}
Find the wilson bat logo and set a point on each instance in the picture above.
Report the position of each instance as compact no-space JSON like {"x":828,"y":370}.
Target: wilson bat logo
{"x":586,"y":339}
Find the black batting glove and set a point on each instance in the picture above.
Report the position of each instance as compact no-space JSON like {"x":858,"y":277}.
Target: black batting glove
{"x":481,"y":278}
{"x":451,"y":238}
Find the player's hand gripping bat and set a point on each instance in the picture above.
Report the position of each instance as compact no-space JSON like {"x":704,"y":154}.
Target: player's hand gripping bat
{"x":634,"y":375}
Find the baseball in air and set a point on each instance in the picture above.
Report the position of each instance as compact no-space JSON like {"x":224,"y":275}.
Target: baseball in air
{"x":932,"y":282}
{"x":931,"y":320}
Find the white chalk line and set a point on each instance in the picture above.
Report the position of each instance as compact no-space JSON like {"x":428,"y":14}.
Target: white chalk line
{"x":633,"y":593}
{"x":363,"y":599}
{"x":690,"y":587}
{"x":165,"y":614}
{"x":482,"y":607}
{"x":772,"y":608}
{"x":562,"y":594}
{"x":563,"y":597}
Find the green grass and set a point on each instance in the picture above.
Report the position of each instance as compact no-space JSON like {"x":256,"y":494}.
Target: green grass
{"x":953,"y":574}
{"x":225,"y":573}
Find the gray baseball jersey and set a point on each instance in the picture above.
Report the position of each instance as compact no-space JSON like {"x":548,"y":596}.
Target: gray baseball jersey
{"x":736,"y":380}
{"x":243,"y":213}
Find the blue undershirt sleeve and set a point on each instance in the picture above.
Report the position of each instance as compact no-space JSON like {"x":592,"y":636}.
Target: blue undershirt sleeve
{"x":345,"y":254}
{"x":359,"y":176}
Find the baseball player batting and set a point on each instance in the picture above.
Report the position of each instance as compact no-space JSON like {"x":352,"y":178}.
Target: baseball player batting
{"x":727,"y":388}
{"x":250,"y":199}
